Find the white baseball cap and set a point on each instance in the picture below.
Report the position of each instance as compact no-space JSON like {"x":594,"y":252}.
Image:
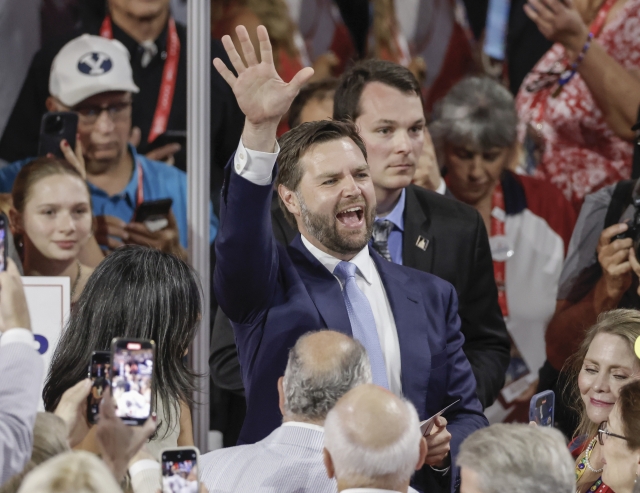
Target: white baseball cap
{"x":90,"y":65}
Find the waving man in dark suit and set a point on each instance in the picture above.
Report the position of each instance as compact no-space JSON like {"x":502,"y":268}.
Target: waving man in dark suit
{"x":328,"y":276}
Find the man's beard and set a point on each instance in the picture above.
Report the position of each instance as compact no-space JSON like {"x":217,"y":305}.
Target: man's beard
{"x":323,"y":228}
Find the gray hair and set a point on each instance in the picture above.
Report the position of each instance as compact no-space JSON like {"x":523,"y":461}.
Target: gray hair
{"x":520,"y":459}
{"x":311,"y":393}
{"x":477,"y":113}
{"x":396,"y":461}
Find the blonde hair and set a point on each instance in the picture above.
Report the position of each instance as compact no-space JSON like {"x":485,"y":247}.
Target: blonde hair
{"x":71,"y":472}
{"x":49,"y":440}
{"x":622,"y":322}
{"x":274,"y":14}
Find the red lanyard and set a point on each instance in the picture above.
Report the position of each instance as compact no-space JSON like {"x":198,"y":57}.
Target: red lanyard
{"x":541,"y":98}
{"x":169,"y":75}
{"x":140,"y":192}
{"x":498,"y":229}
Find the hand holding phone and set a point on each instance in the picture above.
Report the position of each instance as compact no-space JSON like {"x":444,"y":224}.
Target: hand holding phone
{"x":542,"y":408}
{"x":132,"y":379}
{"x":180,"y":470}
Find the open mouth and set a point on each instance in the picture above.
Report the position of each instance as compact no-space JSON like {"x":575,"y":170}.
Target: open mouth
{"x":351,"y":217}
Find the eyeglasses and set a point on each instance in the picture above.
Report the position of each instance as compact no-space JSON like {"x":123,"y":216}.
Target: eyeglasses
{"x":602,"y":432}
{"x":88,"y":115}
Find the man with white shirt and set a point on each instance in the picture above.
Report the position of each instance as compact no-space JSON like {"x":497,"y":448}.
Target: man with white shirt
{"x":373,"y":442}
{"x":322,"y":367}
{"x":328,"y":276}
{"x":21,"y":370}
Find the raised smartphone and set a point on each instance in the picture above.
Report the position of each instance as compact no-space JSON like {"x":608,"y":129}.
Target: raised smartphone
{"x":132,"y":378}
{"x":154,"y":214}
{"x":542,"y":408}
{"x":99,"y":370}
{"x":55,"y":127}
{"x":180,"y":470}
{"x":4,"y":241}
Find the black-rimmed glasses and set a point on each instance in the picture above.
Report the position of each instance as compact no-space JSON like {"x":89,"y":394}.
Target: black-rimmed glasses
{"x":602,"y":432}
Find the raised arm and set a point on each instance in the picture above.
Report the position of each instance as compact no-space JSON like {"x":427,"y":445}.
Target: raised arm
{"x":247,"y":259}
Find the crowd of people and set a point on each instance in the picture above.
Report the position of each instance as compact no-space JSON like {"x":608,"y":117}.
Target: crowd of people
{"x":413,"y":234}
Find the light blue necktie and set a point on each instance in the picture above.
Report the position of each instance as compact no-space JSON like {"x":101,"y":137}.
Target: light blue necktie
{"x":363,"y":325}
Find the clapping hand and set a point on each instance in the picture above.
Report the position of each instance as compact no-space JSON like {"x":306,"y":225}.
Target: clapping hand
{"x":261,"y":94}
{"x":558,"y":21}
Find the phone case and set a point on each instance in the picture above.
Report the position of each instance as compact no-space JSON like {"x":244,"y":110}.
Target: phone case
{"x":549,"y":412}
{"x":177,"y":449}
{"x":55,"y":127}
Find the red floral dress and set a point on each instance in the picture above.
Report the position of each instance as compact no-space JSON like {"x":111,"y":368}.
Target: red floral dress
{"x":579,"y":152}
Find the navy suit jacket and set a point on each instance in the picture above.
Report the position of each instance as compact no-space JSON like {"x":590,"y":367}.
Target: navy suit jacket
{"x":274,"y":294}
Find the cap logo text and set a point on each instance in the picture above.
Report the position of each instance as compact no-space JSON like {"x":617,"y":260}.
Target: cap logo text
{"x":95,"y":63}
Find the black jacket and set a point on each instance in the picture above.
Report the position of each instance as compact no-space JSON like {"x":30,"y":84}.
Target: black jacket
{"x":457,"y":251}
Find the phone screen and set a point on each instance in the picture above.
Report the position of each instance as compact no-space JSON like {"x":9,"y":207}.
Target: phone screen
{"x":3,"y":244}
{"x":180,"y":471}
{"x":99,"y":371}
{"x":131,"y":380}
{"x":544,"y":410}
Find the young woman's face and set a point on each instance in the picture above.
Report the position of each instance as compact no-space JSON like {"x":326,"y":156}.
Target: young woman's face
{"x":621,"y":464}
{"x":57,"y":218}
{"x":608,"y":365}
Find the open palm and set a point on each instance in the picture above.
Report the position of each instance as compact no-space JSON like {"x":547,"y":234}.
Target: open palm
{"x":261,"y":94}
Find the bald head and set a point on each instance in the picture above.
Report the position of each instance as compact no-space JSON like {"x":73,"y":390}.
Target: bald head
{"x":373,"y":439}
{"x":322,"y":367}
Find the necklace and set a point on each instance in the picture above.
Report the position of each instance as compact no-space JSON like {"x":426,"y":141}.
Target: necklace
{"x":588,"y":454}
{"x":75,"y":283}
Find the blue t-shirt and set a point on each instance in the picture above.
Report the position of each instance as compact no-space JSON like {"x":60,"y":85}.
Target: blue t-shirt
{"x":159,"y":181}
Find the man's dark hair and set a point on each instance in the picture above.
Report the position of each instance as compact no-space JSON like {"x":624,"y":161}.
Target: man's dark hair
{"x":296,"y":142}
{"x":346,"y":102}
{"x":319,"y":90}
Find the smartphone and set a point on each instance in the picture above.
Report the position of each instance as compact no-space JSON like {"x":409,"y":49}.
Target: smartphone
{"x":55,"y":127}
{"x":99,"y":371}
{"x":169,"y":137}
{"x":4,"y":241}
{"x":132,"y":378}
{"x":154,"y":214}
{"x":542,"y":407}
{"x":180,"y":470}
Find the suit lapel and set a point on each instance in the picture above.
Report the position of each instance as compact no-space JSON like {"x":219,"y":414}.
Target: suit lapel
{"x":322,"y":286}
{"x":411,"y":324}
{"x":417,"y":223}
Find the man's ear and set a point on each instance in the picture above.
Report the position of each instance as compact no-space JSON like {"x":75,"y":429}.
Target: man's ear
{"x":51,"y":104}
{"x":328,"y":464}
{"x":423,"y":453}
{"x":281,"y":395}
{"x":15,"y":218}
{"x":290,"y":200}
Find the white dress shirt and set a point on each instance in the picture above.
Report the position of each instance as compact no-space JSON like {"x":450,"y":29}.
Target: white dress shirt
{"x":257,"y":167}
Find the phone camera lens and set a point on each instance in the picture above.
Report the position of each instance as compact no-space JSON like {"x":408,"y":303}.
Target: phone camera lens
{"x":54,"y":124}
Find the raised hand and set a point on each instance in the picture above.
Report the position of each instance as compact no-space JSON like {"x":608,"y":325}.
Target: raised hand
{"x":558,"y":21}
{"x":261,"y":94}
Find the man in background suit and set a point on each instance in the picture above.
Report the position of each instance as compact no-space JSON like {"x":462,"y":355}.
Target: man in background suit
{"x":420,"y":228}
{"x":21,"y":369}
{"x":407,"y":320}
{"x":321,"y":368}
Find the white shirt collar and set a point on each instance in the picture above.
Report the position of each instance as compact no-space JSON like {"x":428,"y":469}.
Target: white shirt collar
{"x":300,"y":424}
{"x":363,"y":260}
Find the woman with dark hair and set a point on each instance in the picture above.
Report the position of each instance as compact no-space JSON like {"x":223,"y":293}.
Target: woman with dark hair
{"x":136,"y":292}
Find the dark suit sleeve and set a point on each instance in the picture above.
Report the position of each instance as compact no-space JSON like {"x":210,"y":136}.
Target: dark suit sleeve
{"x":223,"y":361}
{"x":487,"y":344}
{"x":468,"y":416}
{"x":245,"y":276}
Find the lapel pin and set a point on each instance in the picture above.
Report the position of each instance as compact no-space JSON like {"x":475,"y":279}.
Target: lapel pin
{"x":422,"y":243}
